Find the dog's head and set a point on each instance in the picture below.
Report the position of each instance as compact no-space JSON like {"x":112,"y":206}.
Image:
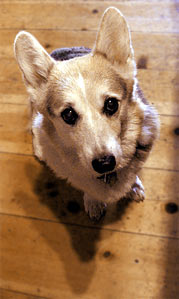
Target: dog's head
{"x":88,"y":104}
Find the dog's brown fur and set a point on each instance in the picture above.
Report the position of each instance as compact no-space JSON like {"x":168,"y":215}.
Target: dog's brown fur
{"x":84,"y":83}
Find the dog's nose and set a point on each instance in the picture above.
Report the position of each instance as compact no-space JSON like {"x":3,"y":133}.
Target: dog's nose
{"x":104,"y":164}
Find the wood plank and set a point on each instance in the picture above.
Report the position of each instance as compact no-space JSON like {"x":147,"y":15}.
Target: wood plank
{"x":8,"y":294}
{"x":42,"y":196}
{"x":13,"y":92}
{"x":165,"y":152}
{"x":15,"y":129}
{"x":65,"y":261}
{"x":16,"y":138}
{"x":147,"y":46}
{"x":80,"y":14}
{"x":161,"y":88}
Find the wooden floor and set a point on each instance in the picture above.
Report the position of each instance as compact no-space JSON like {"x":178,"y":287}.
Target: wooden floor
{"x":49,"y":248}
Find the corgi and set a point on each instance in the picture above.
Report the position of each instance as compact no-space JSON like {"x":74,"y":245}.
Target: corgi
{"x":90,"y":121}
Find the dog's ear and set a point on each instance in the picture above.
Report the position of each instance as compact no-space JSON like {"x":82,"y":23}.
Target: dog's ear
{"x":113,"y":38}
{"x":34,"y":62}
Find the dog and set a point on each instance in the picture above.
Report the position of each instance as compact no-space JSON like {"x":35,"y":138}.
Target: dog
{"x":90,"y":121}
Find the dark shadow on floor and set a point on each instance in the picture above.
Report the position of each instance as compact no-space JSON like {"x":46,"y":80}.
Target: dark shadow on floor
{"x":66,"y":203}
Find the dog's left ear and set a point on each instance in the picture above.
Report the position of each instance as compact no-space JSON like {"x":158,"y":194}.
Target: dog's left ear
{"x":34,"y":62}
{"x":113,"y":38}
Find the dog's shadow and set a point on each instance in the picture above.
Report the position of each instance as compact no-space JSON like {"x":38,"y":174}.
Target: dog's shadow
{"x":66,"y":204}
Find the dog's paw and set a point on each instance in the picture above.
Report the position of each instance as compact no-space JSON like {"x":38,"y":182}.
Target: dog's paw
{"x":137,"y":192}
{"x":95,"y":209}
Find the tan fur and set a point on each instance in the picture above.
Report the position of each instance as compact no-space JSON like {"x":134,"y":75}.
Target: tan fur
{"x":84,"y":83}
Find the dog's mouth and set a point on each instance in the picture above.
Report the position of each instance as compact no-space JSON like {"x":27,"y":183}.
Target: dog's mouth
{"x":108,"y":178}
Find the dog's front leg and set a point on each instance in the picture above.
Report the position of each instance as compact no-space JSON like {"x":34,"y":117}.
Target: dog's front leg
{"x":137,"y":191}
{"x":94,"y":208}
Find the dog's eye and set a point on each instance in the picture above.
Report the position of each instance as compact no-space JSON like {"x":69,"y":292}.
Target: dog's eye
{"x":69,"y":116}
{"x":110,"y":106}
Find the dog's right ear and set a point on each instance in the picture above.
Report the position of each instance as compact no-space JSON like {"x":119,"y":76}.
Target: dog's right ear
{"x":34,"y":62}
{"x":113,"y":38}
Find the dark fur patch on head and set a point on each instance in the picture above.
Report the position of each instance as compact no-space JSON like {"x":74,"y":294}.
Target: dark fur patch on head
{"x":121,"y":82}
{"x":69,"y":53}
{"x":122,"y":85}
